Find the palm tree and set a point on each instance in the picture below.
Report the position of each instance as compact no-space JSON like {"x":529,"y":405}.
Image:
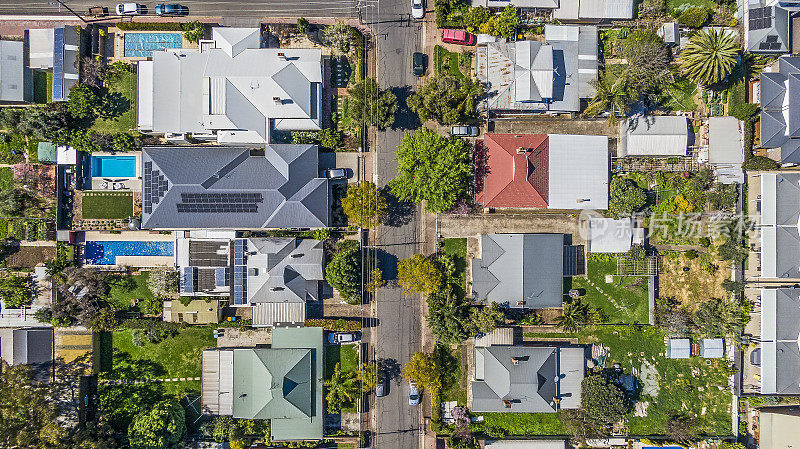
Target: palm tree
{"x":614,"y":96}
{"x":577,"y":314}
{"x":342,"y":389}
{"x":709,"y":56}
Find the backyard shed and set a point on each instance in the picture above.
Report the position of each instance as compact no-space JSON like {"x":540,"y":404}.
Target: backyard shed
{"x":712,"y":348}
{"x":607,"y":235}
{"x":679,"y":348}
{"x":653,"y":136}
{"x":726,"y":149}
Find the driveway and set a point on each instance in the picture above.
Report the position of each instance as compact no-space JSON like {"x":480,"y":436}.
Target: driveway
{"x":474,"y":225}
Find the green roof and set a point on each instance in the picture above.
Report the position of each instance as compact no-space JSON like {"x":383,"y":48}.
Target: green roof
{"x":46,"y":152}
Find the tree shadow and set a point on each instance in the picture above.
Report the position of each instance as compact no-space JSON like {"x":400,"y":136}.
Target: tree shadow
{"x":114,"y":105}
{"x":388,"y":264}
{"x":390,"y":368}
{"x":404,"y":118}
{"x":398,"y":212}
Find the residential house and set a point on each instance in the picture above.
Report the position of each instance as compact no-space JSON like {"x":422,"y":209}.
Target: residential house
{"x":524,"y":271}
{"x":726,"y":149}
{"x":231,"y":90}
{"x":780,"y":332}
{"x":527,"y":379}
{"x":196,"y":311}
{"x":768,"y":26}
{"x":56,"y":50}
{"x":553,"y":171}
{"x":654,"y":136}
{"x":274,"y":276}
{"x":534,"y":76}
{"x":277,"y":186}
{"x":29,"y":346}
{"x":778,"y":427}
{"x":16,"y":79}
{"x":282,"y":383}
{"x":569,"y":10}
{"x":778,"y":225}
{"x":780,"y":112}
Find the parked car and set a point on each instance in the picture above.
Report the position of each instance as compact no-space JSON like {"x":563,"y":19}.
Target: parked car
{"x":459,"y":37}
{"x":131,"y":9}
{"x":464,"y":131}
{"x":417,"y":9}
{"x":418,"y":59}
{"x":413,"y":394}
{"x":381,"y":388}
{"x":336,"y":173}
{"x":173,"y":9}
{"x":336,"y":338}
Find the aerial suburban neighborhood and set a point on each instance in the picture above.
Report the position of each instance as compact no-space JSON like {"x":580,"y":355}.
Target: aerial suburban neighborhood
{"x":400,"y":224}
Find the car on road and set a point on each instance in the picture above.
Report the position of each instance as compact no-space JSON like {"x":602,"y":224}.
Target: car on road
{"x":336,"y":173}
{"x":418,"y":60}
{"x":131,"y":9}
{"x":459,"y":37}
{"x":464,"y":131}
{"x":171,"y":9}
{"x":417,"y":9}
{"x":381,"y":388}
{"x":413,"y":394}
{"x":337,"y":338}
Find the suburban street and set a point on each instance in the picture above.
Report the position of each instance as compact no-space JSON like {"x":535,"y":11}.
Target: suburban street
{"x":398,"y":336}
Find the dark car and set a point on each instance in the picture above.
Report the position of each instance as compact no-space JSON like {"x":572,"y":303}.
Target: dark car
{"x":171,"y":10}
{"x":418,"y":59}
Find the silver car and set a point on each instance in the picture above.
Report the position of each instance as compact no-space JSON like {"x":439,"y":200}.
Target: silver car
{"x":464,"y":131}
{"x":413,"y":394}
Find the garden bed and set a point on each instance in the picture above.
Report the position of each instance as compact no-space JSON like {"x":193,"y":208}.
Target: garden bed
{"x":30,"y":256}
{"x":106,"y":205}
{"x":623,"y":301}
{"x":448,"y":61}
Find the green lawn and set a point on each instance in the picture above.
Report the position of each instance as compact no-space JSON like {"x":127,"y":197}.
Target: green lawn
{"x":106,"y":205}
{"x":679,"y":96}
{"x":624,"y":301}
{"x":126,"y":85}
{"x":675,"y":4}
{"x":457,"y":249}
{"x":6,"y":178}
{"x":179,"y":356}
{"x":344,"y":354}
{"x":42,"y":86}
{"x":522,"y":423}
{"x":121,"y":298}
{"x":448,"y":61}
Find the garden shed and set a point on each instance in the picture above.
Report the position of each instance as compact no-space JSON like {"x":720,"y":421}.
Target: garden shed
{"x":679,"y":348}
{"x":712,"y":348}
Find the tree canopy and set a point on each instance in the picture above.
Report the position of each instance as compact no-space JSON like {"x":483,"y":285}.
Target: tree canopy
{"x":601,"y":400}
{"x":364,"y":204}
{"x":161,"y":426}
{"x":626,"y":197}
{"x":15,"y":291}
{"x":344,"y":270}
{"x":371,"y":105}
{"x":423,"y":370}
{"x":710,"y":56}
{"x":420,"y":274}
{"x":27,"y":415}
{"x":432,"y":168}
{"x":446,"y":99}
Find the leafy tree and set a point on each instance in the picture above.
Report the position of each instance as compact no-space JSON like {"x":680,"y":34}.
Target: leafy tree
{"x":375,"y":281}
{"x":49,"y":122}
{"x":432,"y":168}
{"x":330,"y":139}
{"x":601,"y":400}
{"x":83,"y":101}
{"x":648,"y":68}
{"x":485,"y":319}
{"x":448,"y":317}
{"x":162,"y":282}
{"x":338,"y":36}
{"x":446,"y":99}
{"x":371,"y":105}
{"x":612,"y":95}
{"x":475,"y":17}
{"x":344,"y":270}
{"x":13,"y":202}
{"x":709,"y":56}
{"x":81,"y":295}
{"x":162,"y":426}
{"x":626,"y":197}
{"x":420,"y":274}
{"x":423,"y":370}
{"x":105,"y":321}
{"x":124,"y":142}
{"x":732,"y":286}
{"x":576,"y":314}
{"x":368,"y":375}
{"x":718,"y":317}
{"x":91,"y":435}
{"x":760,"y":163}
{"x":302,"y":24}
{"x":342,"y":389}
{"x":508,"y":22}
{"x":193,"y":31}
{"x":364,"y":204}
{"x":694,"y":17}
{"x":15,"y":291}
{"x":305,"y":137}
{"x":27,"y":412}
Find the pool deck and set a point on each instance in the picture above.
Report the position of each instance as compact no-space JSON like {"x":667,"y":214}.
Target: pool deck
{"x":136,"y":236}
{"x":134,"y":183}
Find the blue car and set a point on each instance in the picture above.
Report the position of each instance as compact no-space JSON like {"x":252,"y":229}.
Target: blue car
{"x":171,"y":10}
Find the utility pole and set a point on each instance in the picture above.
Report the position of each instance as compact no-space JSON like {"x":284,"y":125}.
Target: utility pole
{"x":72,"y":11}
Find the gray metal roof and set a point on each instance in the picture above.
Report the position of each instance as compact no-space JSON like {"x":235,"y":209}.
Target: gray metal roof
{"x":724,"y":141}
{"x":514,"y":268}
{"x":16,"y":80}
{"x":284,"y":179}
{"x":712,"y":348}
{"x":780,"y":112}
{"x":679,"y":348}
{"x":662,"y":135}
{"x":767,"y":27}
{"x":594,"y":9}
{"x":530,"y":379}
{"x":283,"y":270}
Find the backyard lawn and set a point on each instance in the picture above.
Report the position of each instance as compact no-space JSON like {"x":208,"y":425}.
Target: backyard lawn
{"x":521,"y":423}
{"x":448,"y":61}
{"x":456,"y":383}
{"x":623,"y":301}
{"x":457,"y":249}
{"x":347,"y":357}
{"x":121,"y":297}
{"x":42,"y":86}
{"x":679,"y":96}
{"x":106,"y":205}
{"x":126,"y":121}
{"x":673,"y":4}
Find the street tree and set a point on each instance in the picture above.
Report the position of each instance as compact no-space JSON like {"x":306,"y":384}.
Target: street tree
{"x":432,"y":168}
{"x":601,"y":400}
{"x":368,"y":375}
{"x":344,"y":270}
{"x":710,"y":56}
{"x":371,"y":105}
{"x":364,"y":204}
{"x":420,"y":274}
{"x":423,"y":370}
{"x":161,"y":426}
{"x":446,"y":99}
{"x":375,"y":281}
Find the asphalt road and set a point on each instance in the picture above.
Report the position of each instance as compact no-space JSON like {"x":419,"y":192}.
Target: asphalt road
{"x":214,"y":8}
{"x":398,"y":313}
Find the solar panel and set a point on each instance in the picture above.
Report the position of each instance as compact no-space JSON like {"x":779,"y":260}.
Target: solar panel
{"x":238,"y":202}
{"x":58,"y":63}
{"x":772,"y":38}
{"x":188,"y":280}
{"x":239,"y":285}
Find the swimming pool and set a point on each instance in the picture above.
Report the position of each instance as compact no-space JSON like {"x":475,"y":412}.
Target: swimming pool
{"x":142,"y":45}
{"x":114,"y":166}
{"x":106,"y":252}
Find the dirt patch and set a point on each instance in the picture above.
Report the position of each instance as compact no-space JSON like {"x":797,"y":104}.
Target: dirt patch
{"x":30,"y":256}
{"x":695,"y":285}
{"x":545,"y":125}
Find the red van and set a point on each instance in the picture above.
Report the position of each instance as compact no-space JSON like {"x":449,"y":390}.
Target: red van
{"x":459,"y":37}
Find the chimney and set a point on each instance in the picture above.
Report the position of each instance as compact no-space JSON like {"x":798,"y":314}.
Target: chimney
{"x":277,"y":100}
{"x":522,"y":150}
{"x":506,"y":403}
{"x":282,"y":55}
{"x":521,"y":303}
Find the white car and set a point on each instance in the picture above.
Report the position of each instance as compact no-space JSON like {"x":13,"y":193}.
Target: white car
{"x":130,"y":9}
{"x":417,"y":9}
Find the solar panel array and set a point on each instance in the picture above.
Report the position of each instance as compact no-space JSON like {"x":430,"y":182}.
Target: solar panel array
{"x":220,"y":202}
{"x":222,"y":276}
{"x":760,"y":18}
{"x":58,"y":63}
{"x":770,"y":43}
{"x":239,"y":271}
{"x":155,"y":185}
{"x":189,"y":280}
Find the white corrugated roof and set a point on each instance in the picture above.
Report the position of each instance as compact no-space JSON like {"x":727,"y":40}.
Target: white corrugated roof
{"x":578,"y":172}
{"x":724,"y":141}
{"x":607,"y":235}
{"x":269,"y":313}
{"x":654,"y":136}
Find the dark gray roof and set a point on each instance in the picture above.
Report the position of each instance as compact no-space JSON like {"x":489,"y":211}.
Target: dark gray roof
{"x":773,"y":128}
{"x":787,"y":241}
{"x":520,"y":267}
{"x":529,"y":385}
{"x":787,"y":367}
{"x":787,"y":199}
{"x":773,"y":89}
{"x":34,"y":347}
{"x":775,"y":131}
{"x":790,"y":151}
{"x":233,"y":188}
{"x":780,"y":330}
{"x":787,"y":314}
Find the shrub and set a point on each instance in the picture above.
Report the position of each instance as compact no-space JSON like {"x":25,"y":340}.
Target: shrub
{"x":193,"y":31}
{"x":330,"y":139}
{"x":302,"y":24}
{"x":694,"y":17}
{"x":705,"y":242}
{"x":760,"y":163}
{"x":339,"y":325}
{"x":690,"y":254}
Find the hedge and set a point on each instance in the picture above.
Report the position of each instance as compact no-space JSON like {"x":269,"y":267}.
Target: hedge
{"x":143,"y":323}
{"x":149,"y":26}
{"x":334,"y":325}
{"x":694,"y":17}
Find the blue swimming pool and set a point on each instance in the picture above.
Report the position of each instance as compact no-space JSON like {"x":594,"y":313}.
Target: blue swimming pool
{"x":106,"y":252}
{"x":142,"y":45}
{"x":114,"y":166}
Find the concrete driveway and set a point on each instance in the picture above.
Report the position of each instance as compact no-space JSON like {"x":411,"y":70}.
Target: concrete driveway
{"x":474,"y":225}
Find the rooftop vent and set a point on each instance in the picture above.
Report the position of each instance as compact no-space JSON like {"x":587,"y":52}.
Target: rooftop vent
{"x":507,"y":404}
{"x":522,"y":150}
{"x":277,"y":100}
{"x":277,"y":289}
{"x":282,"y":55}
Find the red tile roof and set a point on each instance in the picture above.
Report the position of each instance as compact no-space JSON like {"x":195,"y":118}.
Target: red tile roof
{"x":512,"y":170}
